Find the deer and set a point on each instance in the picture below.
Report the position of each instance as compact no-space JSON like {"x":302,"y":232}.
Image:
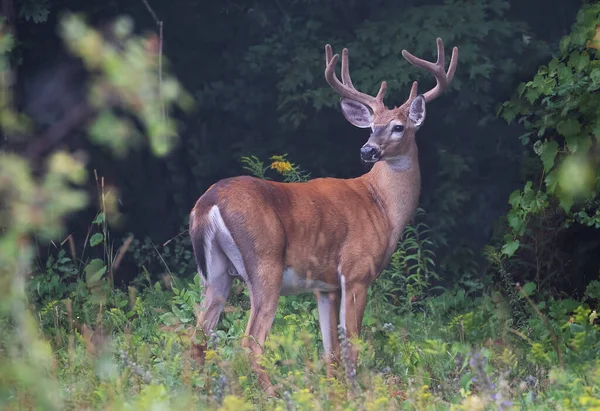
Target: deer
{"x":327,"y":236}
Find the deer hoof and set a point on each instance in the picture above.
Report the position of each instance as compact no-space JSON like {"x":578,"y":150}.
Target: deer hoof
{"x":198,"y":353}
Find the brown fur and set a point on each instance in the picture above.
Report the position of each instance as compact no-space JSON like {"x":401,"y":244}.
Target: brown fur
{"x":313,"y":228}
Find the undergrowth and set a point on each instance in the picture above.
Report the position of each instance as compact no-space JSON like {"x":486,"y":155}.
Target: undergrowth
{"x":453,"y":350}
{"x":497,"y":346}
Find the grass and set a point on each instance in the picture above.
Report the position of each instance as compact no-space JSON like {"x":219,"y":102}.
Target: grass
{"x":130,"y":349}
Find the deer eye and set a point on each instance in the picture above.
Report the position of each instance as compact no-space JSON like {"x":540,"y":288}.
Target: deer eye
{"x":399,"y":128}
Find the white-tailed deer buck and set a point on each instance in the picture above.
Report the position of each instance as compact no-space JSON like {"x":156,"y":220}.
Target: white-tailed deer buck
{"x":329,"y":236}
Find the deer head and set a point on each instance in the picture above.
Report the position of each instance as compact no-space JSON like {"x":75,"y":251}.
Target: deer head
{"x":392,"y":130}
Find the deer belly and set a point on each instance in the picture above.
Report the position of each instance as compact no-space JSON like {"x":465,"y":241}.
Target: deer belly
{"x":292,"y":284}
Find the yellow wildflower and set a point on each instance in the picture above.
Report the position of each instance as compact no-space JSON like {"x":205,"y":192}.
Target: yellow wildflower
{"x":474,"y":403}
{"x":233,"y":403}
{"x":210,"y":355}
{"x":282,"y":167}
{"x":424,"y":392}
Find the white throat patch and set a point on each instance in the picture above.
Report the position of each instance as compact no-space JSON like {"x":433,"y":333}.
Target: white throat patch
{"x":400,"y":163}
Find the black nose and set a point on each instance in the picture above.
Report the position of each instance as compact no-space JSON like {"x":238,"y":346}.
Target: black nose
{"x":369,"y":153}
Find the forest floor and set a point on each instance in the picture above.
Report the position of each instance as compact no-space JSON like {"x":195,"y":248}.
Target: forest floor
{"x":458,"y":350}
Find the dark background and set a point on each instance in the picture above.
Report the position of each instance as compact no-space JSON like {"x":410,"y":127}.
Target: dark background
{"x":255,"y":69}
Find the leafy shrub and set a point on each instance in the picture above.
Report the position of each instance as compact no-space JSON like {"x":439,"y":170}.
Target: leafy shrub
{"x":559,"y":106}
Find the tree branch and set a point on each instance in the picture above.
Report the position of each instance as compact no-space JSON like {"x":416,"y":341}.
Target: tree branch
{"x":58,"y":131}
{"x":159,"y":23}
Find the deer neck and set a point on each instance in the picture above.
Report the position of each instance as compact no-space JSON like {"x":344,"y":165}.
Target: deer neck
{"x":396,"y":185}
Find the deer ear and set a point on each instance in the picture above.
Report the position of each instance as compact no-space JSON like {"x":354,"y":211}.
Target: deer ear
{"x":417,"y":111}
{"x":356,"y":113}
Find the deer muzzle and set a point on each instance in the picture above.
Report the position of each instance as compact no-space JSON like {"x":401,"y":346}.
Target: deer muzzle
{"x":370,"y":153}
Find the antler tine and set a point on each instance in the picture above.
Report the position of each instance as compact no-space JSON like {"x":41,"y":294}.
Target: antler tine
{"x":381,"y":92}
{"x":346,"y":69}
{"x":328,"y":54}
{"x":441,"y":54}
{"x":453,"y":64}
{"x":345,"y":88}
{"x":413,"y":91}
{"x":438,"y":70}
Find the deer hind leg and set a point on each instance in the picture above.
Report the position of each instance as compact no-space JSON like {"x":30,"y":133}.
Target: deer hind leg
{"x":217,"y":289}
{"x":264,"y":296}
{"x":328,"y":304}
{"x":223,"y":261}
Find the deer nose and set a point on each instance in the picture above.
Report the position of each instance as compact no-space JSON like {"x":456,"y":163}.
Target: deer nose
{"x":370,"y":153}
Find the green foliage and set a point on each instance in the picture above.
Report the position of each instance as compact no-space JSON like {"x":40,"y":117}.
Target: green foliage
{"x":255,"y":166}
{"x":449,"y":353}
{"x":183,"y":304}
{"x":559,"y":107}
{"x":291,"y":173}
{"x":35,"y":10}
{"x":524,"y":204}
{"x":35,"y":204}
{"x":375,"y":46}
{"x":593,"y":290}
{"x":409,"y":275}
{"x":127,"y":66}
{"x":450,"y":202}
{"x":174,"y":257}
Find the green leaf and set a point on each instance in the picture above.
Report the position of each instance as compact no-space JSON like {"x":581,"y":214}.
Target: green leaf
{"x":97,"y":275}
{"x":574,"y":58}
{"x":532,"y":94}
{"x":549,"y":154}
{"x":566,"y":202}
{"x":94,"y":271}
{"x":99,"y":219}
{"x":551,"y":181}
{"x":96,"y":239}
{"x":169,"y":319}
{"x":564,"y":44}
{"x":579,"y":61}
{"x":569,"y":128}
{"x":529,"y":289}
{"x":565,"y":75}
{"x":514,"y":221}
{"x":466,"y":380}
{"x":509,"y":112}
{"x":510,"y":247}
{"x":595,"y":76}
{"x":525,"y":138}
{"x":515,"y":198}
{"x":177,"y":311}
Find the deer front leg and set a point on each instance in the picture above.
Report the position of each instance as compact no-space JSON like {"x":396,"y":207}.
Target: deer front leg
{"x":328,"y":304}
{"x":352,"y":310}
